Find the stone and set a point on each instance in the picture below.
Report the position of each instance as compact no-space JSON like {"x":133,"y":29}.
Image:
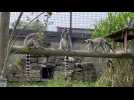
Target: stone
{"x":84,"y":71}
{"x":3,"y":82}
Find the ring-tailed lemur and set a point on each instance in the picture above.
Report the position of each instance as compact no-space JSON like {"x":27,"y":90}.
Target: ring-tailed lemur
{"x":66,"y":45}
{"x":33,"y":40}
{"x":130,"y":22}
{"x":98,"y":42}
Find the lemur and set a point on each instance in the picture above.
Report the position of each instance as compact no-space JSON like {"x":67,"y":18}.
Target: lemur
{"x":98,"y":42}
{"x":33,"y":40}
{"x":65,"y":42}
{"x":66,"y":45}
{"x":130,"y":22}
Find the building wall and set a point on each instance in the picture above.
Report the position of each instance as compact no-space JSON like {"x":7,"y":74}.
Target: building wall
{"x":19,"y":42}
{"x":54,"y":45}
{"x":79,"y":46}
{"x":76,"y":45}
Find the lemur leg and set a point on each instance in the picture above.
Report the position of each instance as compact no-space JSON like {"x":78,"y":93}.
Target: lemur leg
{"x":92,"y":46}
{"x":89,"y":47}
{"x":95,"y":48}
{"x":110,"y":64}
{"x":104,"y":48}
{"x":36,"y":44}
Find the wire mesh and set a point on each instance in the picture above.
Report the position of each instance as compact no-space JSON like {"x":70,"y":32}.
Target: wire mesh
{"x":82,"y":20}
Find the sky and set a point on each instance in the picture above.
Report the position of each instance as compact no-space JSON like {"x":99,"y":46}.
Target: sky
{"x":62,"y":19}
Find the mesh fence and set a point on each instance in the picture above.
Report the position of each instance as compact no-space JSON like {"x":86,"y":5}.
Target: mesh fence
{"x":84,"y":20}
{"x":81,"y":20}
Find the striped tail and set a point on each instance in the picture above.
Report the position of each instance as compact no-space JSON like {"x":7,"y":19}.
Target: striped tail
{"x":28,"y":65}
{"x":66,"y":60}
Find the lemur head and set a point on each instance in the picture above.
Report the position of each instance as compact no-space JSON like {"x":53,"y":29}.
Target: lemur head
{"x":88,"y":41}
{"x":49,"y":13}
{"x":65,"y":33}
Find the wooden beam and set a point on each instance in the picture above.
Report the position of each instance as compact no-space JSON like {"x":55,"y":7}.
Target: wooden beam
{"x":55,"y":52}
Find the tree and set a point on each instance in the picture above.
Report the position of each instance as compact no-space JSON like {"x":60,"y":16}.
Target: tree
{"x":122,"y":74}
{"x":34,"y":24}
{"x":37,"y":25}
{"x":6,"y":41}
{"x":113,"y":22}
{"x":20,"y":25}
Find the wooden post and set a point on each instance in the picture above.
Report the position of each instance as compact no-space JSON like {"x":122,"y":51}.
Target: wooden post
{"x":4,"y":35}
{"x":114,"y":45}
{"x":125,"y":42}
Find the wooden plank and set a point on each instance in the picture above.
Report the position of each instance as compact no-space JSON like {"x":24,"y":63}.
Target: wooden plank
{"x":117,"y":35}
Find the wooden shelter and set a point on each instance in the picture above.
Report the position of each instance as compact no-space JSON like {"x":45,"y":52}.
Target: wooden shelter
{"x":122,"y":36}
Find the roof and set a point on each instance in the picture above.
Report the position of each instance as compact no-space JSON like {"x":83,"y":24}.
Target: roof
{"x":84,"y":29}
{"x":118,"y":36}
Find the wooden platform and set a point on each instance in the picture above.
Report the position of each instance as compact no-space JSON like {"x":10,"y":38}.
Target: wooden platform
{"x":118,"y":36}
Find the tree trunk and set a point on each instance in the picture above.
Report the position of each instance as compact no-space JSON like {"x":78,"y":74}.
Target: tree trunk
{"x":4,"y":35}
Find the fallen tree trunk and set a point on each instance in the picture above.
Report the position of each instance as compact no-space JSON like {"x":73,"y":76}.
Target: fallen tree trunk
{"x":56,"y":52}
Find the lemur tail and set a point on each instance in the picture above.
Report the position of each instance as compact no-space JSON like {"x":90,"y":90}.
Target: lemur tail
{"x":28,"y":66}
{"x":66,"y":66}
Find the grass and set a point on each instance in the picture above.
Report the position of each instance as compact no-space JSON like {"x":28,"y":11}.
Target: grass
{"x":56,"y":83}
{"x":52,"y":83}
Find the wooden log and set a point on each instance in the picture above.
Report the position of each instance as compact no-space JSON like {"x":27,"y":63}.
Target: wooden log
{"x":56,"y":52}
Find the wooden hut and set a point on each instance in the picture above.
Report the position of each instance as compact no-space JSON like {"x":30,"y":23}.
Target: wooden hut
{"x":122,"y":36}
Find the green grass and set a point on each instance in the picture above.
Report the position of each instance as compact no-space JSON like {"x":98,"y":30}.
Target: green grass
{"x":52,"y":83}
{"x":56,"y":83}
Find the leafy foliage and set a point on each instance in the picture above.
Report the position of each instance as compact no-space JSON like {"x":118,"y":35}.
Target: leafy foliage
{"x":122,"y":75}
{"x":36,"y":25}
{"x":112,"y":23}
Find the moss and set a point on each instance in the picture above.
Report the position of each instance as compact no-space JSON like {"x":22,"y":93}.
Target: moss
{"x":25,"y":49}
